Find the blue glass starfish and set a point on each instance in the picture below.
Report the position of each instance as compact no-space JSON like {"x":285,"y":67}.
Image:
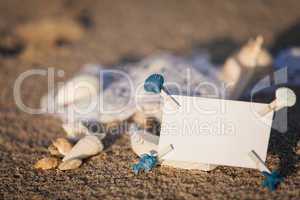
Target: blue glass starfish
{"x":146,"y":163}
{"x":272,"y":180}
{"x":154,"y":83}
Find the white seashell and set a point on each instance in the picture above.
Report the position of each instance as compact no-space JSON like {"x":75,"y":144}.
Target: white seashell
{"x":77,"y":89}
{"x":87,"y":146}
{"x":143,"y":142}
{"x":75,"y":99}
{"x":248,"y":54}
{"x":70,"y":164}
{"x":231,"y":72}
{"x":264,"y":58}
{"x":239,"y":69}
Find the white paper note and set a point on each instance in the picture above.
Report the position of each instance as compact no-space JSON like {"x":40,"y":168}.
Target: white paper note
{"x":215,"y":131}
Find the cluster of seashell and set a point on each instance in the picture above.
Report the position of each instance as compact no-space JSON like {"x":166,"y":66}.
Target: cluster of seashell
{"x":72,"y":156}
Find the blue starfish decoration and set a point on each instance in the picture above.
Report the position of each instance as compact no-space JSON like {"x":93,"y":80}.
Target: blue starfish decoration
{"x":272,"y":180}
{"x":154,"y":83}
{"x":146,"y":163}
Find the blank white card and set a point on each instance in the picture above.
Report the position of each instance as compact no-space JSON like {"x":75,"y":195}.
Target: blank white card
{"x":215,"y":131}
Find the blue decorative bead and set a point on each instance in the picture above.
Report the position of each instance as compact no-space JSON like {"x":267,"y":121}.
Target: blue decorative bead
{"x":154,"y":83}
{"x":146,"y":163}
{"x":271,"y":180}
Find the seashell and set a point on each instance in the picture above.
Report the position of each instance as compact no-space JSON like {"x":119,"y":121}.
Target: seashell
{"x":87,"y":146}
{"x":63,"y":145}
{"x":53,"y":150}
{"x":240,"y":68}
{"x":70,"y":164}
{"x":46,"y":163}
{"x":248,"y":54}
{"x":231,"y":72}
{"x":246,"y":57}
{"x":254,"y":55}
{"x":264,"y":58}
{"x":78,"y":130}
{"x":78,"y":88}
